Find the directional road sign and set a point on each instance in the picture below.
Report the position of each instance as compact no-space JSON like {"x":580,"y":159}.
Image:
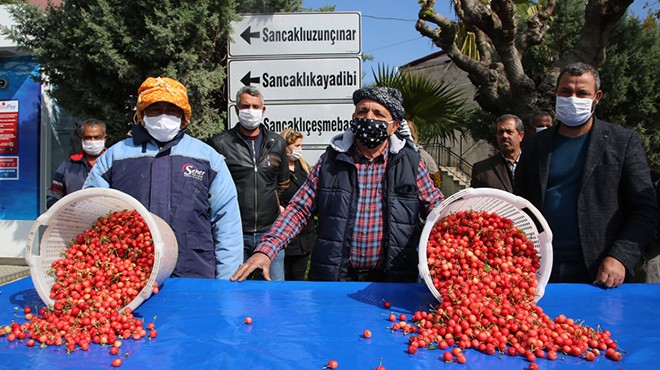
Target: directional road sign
{"x":318,"y":122}
{"x":296,"y":34}
{"x":297,"y":79}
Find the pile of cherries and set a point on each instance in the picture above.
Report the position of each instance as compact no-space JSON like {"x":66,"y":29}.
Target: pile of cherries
{"x":102,"y":271}
{"x":485,"y":270}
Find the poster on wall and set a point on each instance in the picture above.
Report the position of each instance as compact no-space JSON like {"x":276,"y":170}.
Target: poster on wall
{"x":8,"y":126}
{"x":8,"y":168}
{"x":20,"y":102}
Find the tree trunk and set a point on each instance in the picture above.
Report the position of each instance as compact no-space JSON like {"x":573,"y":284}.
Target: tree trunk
{"x":502,"y":84}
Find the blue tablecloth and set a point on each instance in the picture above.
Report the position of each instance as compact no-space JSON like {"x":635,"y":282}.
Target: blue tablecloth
{"x":302,"y":325}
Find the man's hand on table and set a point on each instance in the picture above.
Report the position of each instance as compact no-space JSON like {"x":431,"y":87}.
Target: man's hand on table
{"x":257,"y":260}
{"x":611,"y":273}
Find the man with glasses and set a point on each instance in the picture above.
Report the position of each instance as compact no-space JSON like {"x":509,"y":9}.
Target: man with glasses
{"x":178,"y":178}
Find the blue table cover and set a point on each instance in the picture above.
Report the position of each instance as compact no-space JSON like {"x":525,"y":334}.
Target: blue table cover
{"x":302,"y":325}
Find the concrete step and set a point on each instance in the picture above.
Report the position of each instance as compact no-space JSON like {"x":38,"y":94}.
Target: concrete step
{"x":9,"y":273}
{"x":462,"y":178}
{"x":453,"y":180}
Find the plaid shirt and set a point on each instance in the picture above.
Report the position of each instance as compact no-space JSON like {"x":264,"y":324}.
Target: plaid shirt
{"x":366,"y":250}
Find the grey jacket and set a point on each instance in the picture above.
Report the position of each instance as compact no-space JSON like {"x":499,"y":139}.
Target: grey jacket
{"x":617,"y":209}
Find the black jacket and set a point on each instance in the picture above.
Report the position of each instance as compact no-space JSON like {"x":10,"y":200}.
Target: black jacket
{"x":304,"y":242}
{"x":492,"y":172}
{"x":70,"y":176}
{"x":259,"y":185}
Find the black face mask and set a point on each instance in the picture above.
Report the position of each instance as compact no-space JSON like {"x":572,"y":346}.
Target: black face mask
{"x":370,"y":132}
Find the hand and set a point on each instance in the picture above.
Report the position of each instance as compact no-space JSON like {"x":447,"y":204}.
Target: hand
{"x":611,"y":273}
{"x":257,"y":260}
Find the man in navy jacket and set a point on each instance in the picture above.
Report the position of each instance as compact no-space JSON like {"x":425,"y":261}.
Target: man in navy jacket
{"x":178,"y":178}
{"x":72,"y":173}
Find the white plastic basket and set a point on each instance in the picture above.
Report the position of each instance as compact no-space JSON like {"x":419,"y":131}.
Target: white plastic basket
{"x":523,"y":214}
{"x":76,"y":212}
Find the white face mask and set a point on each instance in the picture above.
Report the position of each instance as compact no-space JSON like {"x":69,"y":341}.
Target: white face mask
{"x":539,"y":129}
{"x":250,"y":118}
{"x":295,"y":154}
{"x":162,"y":128}
{"x":93,"y":147}
{"x":573,"y":111}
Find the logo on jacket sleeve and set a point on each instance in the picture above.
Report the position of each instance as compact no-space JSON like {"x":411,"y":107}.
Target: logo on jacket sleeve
{"x":190,"y":170}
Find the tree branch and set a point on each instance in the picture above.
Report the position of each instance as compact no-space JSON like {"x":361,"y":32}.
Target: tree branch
{"x":476,"y":13}
{"x":506,"y":13}
{"x":537,"y":26}
{"x":600,"y":18}
{"x":495,"y":82}
{"x":484,"y":44}
{"x":444,"y":37}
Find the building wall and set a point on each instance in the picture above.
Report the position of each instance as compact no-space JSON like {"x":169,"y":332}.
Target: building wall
{"x":439,"y":67}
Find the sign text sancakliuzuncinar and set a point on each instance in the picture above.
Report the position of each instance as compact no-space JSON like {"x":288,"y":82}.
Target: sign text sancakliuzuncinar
{"x":300,"y":34}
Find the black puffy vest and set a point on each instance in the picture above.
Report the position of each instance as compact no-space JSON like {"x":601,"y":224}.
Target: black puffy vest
{"x":336,"y":206}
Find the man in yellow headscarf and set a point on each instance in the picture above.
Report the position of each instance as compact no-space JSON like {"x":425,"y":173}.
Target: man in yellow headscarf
{"x":178,"y":178}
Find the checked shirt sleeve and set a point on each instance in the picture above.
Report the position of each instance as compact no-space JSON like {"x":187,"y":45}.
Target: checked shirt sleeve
{"x":429,"y":195}
{"x":294,"y":217}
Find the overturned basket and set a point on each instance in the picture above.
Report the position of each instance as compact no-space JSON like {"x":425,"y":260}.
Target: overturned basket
{"x":523,"y":214}
{"x":56,"y":228}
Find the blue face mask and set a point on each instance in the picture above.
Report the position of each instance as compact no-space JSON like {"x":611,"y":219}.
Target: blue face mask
{"x":370,"y":132}
{"x":573,"y":111}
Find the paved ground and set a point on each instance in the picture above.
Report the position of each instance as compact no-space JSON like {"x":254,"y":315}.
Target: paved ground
{"x":9,"y":273}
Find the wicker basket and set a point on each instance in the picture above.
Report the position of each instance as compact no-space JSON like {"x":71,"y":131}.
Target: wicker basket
{"x":76,"y":212}
{"x":523,"y":214}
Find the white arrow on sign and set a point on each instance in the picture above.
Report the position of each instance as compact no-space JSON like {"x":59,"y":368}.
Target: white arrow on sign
{"x":297,"y":79}
{"x":296,"y":34}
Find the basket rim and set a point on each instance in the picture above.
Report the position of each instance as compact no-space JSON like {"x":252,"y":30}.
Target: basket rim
{"x":83,"y":194}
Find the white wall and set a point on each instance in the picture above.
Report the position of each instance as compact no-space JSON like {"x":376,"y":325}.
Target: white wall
{"x":6,"y":20}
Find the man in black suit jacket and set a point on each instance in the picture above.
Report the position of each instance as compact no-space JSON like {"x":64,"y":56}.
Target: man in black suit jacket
{"x":497,"y":171}
{"x":591,"y":181}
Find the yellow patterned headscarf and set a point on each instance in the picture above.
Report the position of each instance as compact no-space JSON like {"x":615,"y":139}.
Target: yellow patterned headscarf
{"x":157,"y":89}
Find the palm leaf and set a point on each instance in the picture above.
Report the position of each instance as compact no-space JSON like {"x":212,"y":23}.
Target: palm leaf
{"x":467,"y":41}
{"x":436,"y":108}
